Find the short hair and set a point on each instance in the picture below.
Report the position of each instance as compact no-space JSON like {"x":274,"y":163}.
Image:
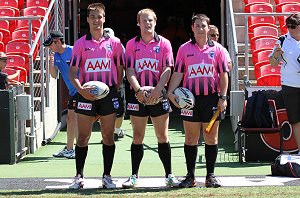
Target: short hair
{"x":201,"y":17}
{"x":95,"y":6}
{"x":145,"y":11}
{"x":213,"y":27}
{"x":293,"y":19}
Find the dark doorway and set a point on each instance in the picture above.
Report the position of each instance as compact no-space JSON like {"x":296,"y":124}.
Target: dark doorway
{"x":121,"y":16}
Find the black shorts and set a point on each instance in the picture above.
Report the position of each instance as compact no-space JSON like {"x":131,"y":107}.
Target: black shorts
{"x":291,"y":97}
{"x":135,"y":108}
{"x":121,"y":97}
{"x":104,"y":106}
{"x":72,"y":102}
{"x":203,"y":110}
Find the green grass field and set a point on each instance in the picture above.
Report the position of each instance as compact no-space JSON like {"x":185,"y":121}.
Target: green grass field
{"x":41,"y":164}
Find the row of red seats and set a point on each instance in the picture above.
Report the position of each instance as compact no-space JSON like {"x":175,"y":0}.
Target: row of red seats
{"x":262,"y":36}
{"x":15,"y":34}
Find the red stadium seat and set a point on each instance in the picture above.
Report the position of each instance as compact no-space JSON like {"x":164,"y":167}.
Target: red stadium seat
{"x":40,"y":3}
{"x":268,"y":69}
{"x":256,"y":1}
{"x":9,"y":3}
{"x":11,"y":71}
{"x":21,"y":4}
{"x":22,"y":24}
{"x":2,"y":46}
{"x":4,"y":24}
{"x":23,"y":73}
{"x":286,"y":7}
{"x":35,"y":11}
{"x":258,"y":7}
{"x":262,"y":31}
{"x":6,"y":35}
{"x":1,"y":36}
{"x":269,"y":80}
{"x":9,"y":12}
{"x":23,"y":36}
{"x":257,"y":67}
{"x":284,"y":1}
{"x":263,"y":56}
{"x":21,"y":49}
{"x":15,"y":60}
{"x":254,"y":21}
{"x":261,"y":44}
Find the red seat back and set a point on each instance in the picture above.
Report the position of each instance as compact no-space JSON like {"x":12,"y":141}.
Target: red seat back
{"x":40,"y":3}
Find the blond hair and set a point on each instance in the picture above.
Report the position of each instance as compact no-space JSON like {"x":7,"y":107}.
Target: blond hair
{"x":145,"y":11}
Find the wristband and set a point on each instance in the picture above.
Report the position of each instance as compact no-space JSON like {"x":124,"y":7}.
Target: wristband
{"x":224,"y":97}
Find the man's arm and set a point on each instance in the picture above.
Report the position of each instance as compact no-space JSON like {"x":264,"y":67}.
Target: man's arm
{"x":222,"y":104}
{"x":85,"y":92}
{"x":52,"y":69}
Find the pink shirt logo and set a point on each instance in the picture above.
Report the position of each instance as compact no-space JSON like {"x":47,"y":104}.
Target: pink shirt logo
{"x":145,"y":64}
{"x":97,"y":65}
{"x":201,"y":70}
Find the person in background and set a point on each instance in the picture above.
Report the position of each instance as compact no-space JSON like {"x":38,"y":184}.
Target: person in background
{"x":97,"y":56}
{"x":6,"y":79}
{"x":119,"y":132}
{"x":60,"y":62}
{"x":288,"y":51}
{"x":203,"y":66}
{"x":149,"y":59}
{"x":214,"y":35}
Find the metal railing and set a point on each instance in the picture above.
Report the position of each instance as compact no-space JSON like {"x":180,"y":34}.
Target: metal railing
{"x":53,"y":20}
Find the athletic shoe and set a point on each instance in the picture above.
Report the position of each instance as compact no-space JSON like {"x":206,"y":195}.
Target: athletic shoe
{"x":121,"y":133}
{"x":212,"y":182}
{"x":171,"y":181}
{"x":77,"y":182}
{"x":64,"y":152}
{"x":188,"y":182}
{"x":107,"y":182}
{"x":71,"y":156}
{"x":131,"y":182}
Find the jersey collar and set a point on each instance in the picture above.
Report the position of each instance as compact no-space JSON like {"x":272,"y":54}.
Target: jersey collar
{"x":156,"y":37}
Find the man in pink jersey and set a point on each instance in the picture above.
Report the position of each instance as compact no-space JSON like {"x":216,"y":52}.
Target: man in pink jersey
{"x":97,"y":57}
{"x":149,"y":59}
{"x":203,"y":66}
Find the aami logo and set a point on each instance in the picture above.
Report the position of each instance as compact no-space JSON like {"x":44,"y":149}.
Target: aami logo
{"x":84,"y":106}
{"x":186,"y":112}
{"x":97,"y":64}
{"x":132,"y":107}
{"x":199,"y":70}
{"x":146,"y":64}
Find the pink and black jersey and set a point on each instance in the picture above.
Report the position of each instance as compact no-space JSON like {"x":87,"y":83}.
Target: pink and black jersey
{"x":149,"y":60}
{"x":201,"y":67}
{"x":98,"y":60}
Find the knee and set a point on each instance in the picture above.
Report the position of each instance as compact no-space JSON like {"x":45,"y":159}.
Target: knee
{"x":82,"y":140}
{"x":108,"y":139}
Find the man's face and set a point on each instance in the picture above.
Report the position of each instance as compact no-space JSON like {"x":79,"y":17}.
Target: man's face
{"x":213,"y":34}
{"x":200,"y":28}
{"x":147,"y":23}
{"x":55,"y":45}
{"x":3,"y":63}
{"x":96,"y":19}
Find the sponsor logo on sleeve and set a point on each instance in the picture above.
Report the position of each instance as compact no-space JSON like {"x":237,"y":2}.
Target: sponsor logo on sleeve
{"x":144,"y":64}
{"x":133,"y":107}
{"x":97,"y":65}
{"x":156,"y":49}
{"x":186,"y":112}
{"x":84,"y":106}
{"x":201,"y":70}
